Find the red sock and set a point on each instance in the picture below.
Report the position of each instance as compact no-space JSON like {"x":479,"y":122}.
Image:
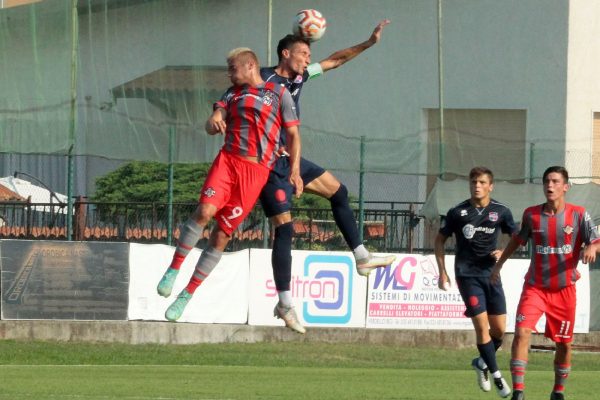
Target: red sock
{"x":193,"y":284}
{"x":177,"y":261}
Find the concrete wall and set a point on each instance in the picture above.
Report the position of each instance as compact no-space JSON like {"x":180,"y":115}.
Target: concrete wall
{"x":180,"y":333}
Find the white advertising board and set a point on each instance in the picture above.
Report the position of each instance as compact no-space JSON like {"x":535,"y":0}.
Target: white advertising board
{"x":326,"y":288}
{"x":405,"y":296}
{"x":222,"y":297}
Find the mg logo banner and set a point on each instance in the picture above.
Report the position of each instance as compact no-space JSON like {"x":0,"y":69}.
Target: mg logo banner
{"x":325,"y":287}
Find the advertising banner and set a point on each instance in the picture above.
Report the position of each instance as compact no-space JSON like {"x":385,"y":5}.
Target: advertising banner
{"x":326,"y":288}
{"x":405,"y":295}
{"x":222,"y":297}
{"x":64,"y":280}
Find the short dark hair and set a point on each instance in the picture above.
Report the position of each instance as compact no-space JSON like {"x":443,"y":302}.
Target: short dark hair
{"x":556,"y":168}
{"x":477,"y":171}
{"x":287,"y":42}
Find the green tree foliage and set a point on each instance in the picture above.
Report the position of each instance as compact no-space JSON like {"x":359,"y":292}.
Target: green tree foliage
{"x":143,"y":181}
{"x":139,"y":181}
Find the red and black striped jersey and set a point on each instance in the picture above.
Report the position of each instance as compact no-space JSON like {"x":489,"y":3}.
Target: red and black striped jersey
{"x":255,"y":116}
{"x":556,"y":242}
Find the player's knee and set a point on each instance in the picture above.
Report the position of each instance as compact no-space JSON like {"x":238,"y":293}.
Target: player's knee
{"x":341,"y":196}
{"x":281,"y":219}
{"x":284,"y":234}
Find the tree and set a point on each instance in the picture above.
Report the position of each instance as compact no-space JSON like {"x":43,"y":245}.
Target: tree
{"x":143,"y":181}
{"x":146,"y":181}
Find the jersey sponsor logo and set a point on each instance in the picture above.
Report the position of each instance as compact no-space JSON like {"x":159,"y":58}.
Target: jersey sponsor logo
{"x":463,"y":213}
{"x":520,"y":318}
{"x":469,"y":230}
{"x":262,"y":99}
{"x":209,"y":192}
{"x":493,"y":216}
{"x":566,"y":249}
{"x":568,"y":229}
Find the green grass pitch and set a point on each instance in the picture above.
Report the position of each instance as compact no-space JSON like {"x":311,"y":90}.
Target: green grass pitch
{"x":283,"y":370}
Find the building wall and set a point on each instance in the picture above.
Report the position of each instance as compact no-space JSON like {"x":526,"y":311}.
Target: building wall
{"x":583,"y":82}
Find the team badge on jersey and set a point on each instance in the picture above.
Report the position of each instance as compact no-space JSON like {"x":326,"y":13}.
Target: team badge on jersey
{"x":568,"y":229}
{"x":493,"y":216}
{"x":463,"y":213}
{"x":209,"y":192}
{"x":468,"y":231}
{"x":268,"y":98}
{"x":298,"y":79}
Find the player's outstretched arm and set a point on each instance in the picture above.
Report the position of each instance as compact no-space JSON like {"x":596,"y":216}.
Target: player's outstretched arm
{"x":294,"y":150}
{"x":341,"y":57}
{"x":440,"y":253}
{"x":216,"y":122}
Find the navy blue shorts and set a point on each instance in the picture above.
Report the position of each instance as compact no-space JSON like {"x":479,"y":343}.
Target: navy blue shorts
{"x":480,"y":295}
{"x":276,"y":196}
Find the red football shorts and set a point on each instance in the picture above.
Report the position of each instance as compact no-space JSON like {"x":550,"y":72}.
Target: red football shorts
{"x":558,"y":305}
{"x":233,"y":185}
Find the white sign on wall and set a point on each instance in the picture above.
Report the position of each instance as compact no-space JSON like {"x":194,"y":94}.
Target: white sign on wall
{"x":406,"y":296}
{"x":221,"y":298}
{"x":326,"y":289}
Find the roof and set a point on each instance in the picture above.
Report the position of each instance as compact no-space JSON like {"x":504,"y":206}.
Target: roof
{"x":8,"y":195}
{"x":177,"y":89}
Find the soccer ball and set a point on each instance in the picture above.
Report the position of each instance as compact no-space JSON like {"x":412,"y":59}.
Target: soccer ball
{"x":309,"y":24}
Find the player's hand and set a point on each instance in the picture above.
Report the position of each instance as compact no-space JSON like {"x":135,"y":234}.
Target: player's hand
{"x":496,"y":254}
{"x":217,"y":125}
{"x":297,"y":183}
{"x":376,"y":35}
{"x":282,"y":152}
{"x":444,"y":282}
{"x":589,"y":254}
{"x":495,"y":276}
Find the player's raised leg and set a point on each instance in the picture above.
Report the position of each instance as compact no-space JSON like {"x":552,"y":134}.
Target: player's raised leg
{"x":207,"y":262}
{"x":326,"y":185}
{"x":189,"y":234}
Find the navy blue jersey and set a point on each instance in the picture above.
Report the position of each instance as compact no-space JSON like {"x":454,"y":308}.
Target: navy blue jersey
{"x":476,"y":231}
{"x":294,"y":86}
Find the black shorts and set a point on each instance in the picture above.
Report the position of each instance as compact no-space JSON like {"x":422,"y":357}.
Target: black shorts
{"x":480,"y":296}
{"x":276,"y":196}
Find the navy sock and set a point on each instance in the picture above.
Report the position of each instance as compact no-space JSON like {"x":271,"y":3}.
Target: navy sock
{"x":281,"y":256}
{"x":488,"y":353}
{"x":497,"y":343}
{"x":344,"y":217}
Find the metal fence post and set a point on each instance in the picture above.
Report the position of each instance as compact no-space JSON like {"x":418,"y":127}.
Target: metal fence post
{"x":361,"y":198}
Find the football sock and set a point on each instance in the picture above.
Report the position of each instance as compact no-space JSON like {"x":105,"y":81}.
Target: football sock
{"x":517,"y":371}
{"x":206,"y":263}
{"x":189,"y":234}
{"x":344,"y":217}
{"x":561,"y":373}
{"x":361,"y":252}
{"x":285,"y":298}
{"x":488,"y":354}
{"x":497,"y":343}
{"x":281,"y":256}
